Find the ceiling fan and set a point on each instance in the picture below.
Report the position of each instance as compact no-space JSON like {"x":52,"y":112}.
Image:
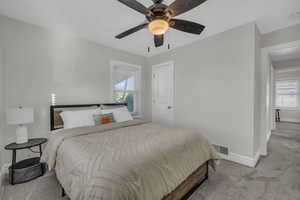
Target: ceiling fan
{"x":160,"y":18}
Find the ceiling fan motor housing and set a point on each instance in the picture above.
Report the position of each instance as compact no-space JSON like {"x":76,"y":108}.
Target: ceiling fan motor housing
{"x":158,"y":11}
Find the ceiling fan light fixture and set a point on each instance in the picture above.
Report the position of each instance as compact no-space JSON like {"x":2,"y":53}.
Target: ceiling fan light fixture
{"x":158,"y":26}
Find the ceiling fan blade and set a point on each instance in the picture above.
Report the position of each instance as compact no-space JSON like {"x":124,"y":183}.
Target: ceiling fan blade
{"x":186,"y":26}
{"x":136,"y":6}
{"x":132,"y":30}
{"x":158,"y":40}
{"x":181,"y":6}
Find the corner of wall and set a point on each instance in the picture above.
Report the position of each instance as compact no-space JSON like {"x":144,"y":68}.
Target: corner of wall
{"x":285,"y":35}
{"x":241,"y":159}
{"x":1,"y":122}
{"x":257,"y":84}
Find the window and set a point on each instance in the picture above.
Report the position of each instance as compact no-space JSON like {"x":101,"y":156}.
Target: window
{"x":287,"y":93}
{"x":126,"y":85}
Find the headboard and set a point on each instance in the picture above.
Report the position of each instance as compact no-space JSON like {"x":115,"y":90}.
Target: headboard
{"x":56,"y":121}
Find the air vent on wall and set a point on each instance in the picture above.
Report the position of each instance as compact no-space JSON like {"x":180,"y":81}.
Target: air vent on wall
{"x":221,"y":149}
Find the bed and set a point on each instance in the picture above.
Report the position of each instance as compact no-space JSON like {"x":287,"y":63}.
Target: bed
{"x":129,"y":160}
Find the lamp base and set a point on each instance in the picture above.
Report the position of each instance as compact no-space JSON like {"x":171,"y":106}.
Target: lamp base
{"x":21,"y":134}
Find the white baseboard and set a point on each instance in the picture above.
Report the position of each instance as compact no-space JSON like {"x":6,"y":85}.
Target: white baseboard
{"x":244,"y":160}
{"x":264,"y":147}
{"x":263,"y":150}
{"x":290,"y":120}
{"x":256,"y":158}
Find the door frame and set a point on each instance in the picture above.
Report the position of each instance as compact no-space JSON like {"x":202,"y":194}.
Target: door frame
{"x":171,"y":63}
{"x":266,"y":101}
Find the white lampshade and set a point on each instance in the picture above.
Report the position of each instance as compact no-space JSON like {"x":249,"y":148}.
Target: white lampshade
{"x":19,"y":115}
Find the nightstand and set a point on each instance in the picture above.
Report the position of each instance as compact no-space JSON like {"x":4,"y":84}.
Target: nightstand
{"x":28,"y":169}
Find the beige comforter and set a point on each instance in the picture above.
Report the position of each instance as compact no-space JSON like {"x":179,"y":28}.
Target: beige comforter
{"x":129,"y":160}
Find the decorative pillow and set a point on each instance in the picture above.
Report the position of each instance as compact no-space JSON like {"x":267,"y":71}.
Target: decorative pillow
{"x":79,"y":118}
{"x":58,"y":121}
{"x":101,"y":119}
{"x":120,"y":114}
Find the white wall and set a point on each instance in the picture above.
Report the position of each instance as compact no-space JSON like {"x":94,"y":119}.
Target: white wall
{"x":266,"y":108}
{"x":290,"y":115}
{"x":38,"y":62}
{"x":257,"y":93}
{"x":287,"y":65}
{"x":1,"y":118}
{"x":214,"y":87}
{"x":273,"y":99}
{"x":281,"y":36}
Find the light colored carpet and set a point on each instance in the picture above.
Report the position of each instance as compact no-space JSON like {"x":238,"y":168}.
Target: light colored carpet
{"x":277,"y":176}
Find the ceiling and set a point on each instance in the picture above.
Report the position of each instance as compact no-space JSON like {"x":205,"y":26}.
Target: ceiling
{"x":290,"y":53}
{"x":101,"y":20}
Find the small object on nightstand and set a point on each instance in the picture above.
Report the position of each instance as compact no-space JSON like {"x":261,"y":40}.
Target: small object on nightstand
{"x":28,"y":169}
{"x":20,"y":116}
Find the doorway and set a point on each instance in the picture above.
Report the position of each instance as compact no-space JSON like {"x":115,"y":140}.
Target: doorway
{"x":280,"y":64}
{"x":163,"y":93}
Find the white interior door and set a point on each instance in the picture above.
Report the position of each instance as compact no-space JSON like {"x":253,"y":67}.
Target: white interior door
{"x":163,"y":93}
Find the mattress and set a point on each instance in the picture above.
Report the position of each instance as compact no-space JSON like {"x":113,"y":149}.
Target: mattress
{"x":128,"y":160}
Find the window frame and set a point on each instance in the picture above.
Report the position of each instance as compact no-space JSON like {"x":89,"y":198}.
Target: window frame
{"x":138,"y":84}
{"x":296,"y":95}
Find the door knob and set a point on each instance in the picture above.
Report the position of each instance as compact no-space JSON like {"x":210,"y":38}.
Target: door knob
{"x":169,"y":107}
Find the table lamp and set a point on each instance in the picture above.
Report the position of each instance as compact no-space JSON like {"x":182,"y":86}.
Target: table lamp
{"x":20,"y":116}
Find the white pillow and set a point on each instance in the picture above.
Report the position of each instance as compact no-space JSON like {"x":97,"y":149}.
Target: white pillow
{"x":79,"y":118}
{"x":54,"y":132}
{"x":120,"y":114}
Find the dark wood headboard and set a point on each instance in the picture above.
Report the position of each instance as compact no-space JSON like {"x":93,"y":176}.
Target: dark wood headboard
{"x":57,"y":108}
